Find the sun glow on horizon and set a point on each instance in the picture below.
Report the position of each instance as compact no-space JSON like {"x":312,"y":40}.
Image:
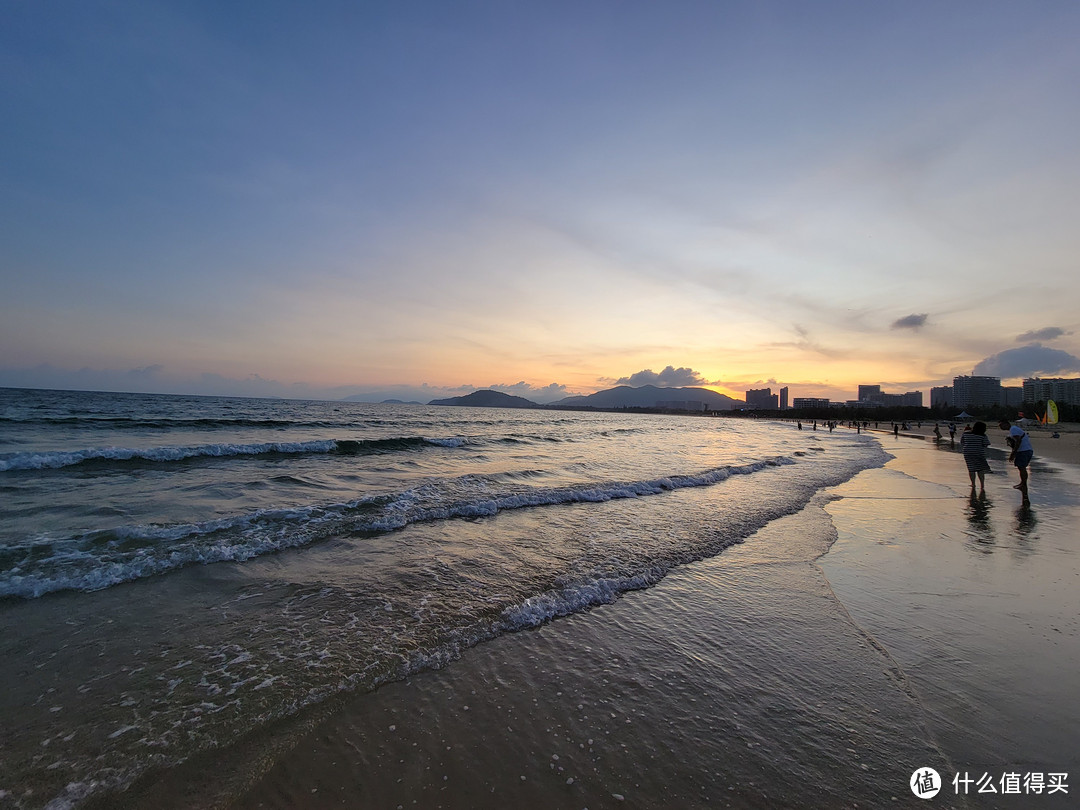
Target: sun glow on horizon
{"x":576,"y":218}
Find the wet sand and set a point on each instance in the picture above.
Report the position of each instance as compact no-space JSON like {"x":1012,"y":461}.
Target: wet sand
{"x":789,"y":671}
{"x":1063,"y":449}
{"x":976,"y":599}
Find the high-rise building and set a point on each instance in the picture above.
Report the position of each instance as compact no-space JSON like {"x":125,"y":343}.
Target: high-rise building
{"x":872,"y":395}
{"x":941,"y":396}
{"x":784,"y":398}
{"x":1038,"y":389}
{"x":869,"y":393}
{"x":910,"y":399}
{"x":761,"y":399}
{"x":977,"y":392}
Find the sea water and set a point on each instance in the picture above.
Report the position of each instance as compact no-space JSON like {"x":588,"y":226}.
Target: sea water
{"x":178,"y":572}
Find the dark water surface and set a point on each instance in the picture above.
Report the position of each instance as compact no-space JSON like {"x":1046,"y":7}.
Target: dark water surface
{"x":176,"y":573}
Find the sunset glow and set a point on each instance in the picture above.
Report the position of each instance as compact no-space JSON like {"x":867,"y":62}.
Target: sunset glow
{"x":380,"y":200}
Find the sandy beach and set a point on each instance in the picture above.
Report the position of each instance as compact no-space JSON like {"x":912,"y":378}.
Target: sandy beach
{"x":895,"y":624}
{"x":1065,"y":448}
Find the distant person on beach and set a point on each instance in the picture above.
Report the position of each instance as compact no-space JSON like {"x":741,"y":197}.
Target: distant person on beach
{"x":937,"y":432}
{"x":1021,"y":454}
{"x":952,"y":431}
{"x":973,"y":445}
{"x":895,"y":430}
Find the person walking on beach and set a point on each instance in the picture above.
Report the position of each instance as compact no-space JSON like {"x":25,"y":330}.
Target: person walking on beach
{"x":973,"y":445}
{"x":1021,"y":454}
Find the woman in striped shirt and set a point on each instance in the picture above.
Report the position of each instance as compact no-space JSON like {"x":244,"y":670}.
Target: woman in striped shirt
{"x":973,"y":445}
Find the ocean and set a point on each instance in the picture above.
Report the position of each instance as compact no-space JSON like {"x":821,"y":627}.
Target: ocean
{"x":177,"y":573}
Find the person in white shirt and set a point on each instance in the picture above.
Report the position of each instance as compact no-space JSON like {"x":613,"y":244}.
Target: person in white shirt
{"x":1021,"y":454}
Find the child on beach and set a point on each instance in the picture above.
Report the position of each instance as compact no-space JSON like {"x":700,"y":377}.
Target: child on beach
{"x":973,"y":445}
{"x":1021,"y":454}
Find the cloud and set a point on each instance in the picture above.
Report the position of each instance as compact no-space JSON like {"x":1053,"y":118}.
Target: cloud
{"x":1049,"y":333}
{"x":543,"y":394}
{"x":1028,"y":361}
{"x":146,"y":372}
{"x":670,"y":377}
{"x":805,"y":342}
{"x":910,"y":321}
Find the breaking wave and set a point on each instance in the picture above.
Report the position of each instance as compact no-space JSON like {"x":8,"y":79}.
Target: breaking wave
{"x":101,"y":559}
{"x":161,"y":455}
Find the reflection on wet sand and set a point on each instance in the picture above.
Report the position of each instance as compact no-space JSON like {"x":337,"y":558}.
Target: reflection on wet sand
{"x":981,"y":532}
{"x":974,"y":597}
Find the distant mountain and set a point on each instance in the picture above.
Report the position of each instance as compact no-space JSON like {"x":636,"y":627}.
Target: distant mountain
{"x":650,"y":396}
{"x":382,"y":398}
{"x":487,"y":399}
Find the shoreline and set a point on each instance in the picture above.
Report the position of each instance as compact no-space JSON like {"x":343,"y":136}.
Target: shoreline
{"x":1063,"y":450}
{"x":892,"y":624}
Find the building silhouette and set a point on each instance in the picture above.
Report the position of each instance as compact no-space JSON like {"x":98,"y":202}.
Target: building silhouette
{"x":811,"y":402}
{"x":762,"y":399}
{"x":1059,"y":389}
{"x":941,"y":396}
{"x":872,"y":396}
{"x":977,"y":392}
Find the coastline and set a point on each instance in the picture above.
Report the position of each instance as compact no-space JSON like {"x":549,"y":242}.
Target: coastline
{"x":974,"y":599}
{"x":1065,"y":449}
{"x":893,"y":624}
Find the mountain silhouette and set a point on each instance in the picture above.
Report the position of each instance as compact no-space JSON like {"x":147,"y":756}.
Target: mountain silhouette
{"x":487,"y":399}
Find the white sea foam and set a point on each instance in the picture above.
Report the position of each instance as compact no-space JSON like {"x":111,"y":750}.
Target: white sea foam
{"x":94,"y":562}
{"x":56,"y":460}
{"x":52,"y":460}
{"x":363,"y":609}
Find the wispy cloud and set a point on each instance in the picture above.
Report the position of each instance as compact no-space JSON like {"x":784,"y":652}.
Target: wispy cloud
{"x":1049,"y":333}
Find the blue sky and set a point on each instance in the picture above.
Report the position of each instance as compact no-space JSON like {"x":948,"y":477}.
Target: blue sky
{"x":417,"y":198}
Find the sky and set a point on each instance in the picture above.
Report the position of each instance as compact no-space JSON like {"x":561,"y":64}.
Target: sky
{"x":416,"y":199}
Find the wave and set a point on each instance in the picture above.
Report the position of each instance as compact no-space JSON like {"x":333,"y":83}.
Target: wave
{"x":68,"y":458}
{"x":171,"y":423}
{"x":101,"y":559}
